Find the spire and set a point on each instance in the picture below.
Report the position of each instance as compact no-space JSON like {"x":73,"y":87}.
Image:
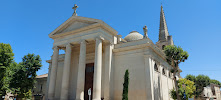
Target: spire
{"x":163,"y":31}
{"x":164,"y":37}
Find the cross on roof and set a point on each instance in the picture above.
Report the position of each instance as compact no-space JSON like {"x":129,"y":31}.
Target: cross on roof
{"x":75,"y":8}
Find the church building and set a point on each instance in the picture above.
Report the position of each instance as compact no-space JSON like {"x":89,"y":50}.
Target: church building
{"x":96,"y":58}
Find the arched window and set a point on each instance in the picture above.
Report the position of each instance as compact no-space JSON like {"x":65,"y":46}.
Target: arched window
{"x":155,"y":67}
{"x":163,"y":71}
{"x":163,"y":47}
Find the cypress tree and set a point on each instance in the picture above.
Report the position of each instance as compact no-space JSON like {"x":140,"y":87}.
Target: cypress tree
{"x":125,"y":85}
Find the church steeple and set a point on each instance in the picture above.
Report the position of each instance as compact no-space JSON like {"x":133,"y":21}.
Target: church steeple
{"x":163,"y":31}
{"x":164,"y":37}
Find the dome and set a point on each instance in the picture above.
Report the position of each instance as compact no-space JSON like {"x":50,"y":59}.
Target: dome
{"x":134,"y":35}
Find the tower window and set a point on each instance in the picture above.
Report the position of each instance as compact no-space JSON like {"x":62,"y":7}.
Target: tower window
{"x":163,"y":47}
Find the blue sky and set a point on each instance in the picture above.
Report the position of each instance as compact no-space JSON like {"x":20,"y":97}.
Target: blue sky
{"x":194,"y":24}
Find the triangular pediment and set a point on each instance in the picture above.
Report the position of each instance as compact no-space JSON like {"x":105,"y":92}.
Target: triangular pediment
{"x":76,"y":23}
{"x":74,"y":26}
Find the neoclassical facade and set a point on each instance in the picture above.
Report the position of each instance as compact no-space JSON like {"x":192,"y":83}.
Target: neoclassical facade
{"x":96,"y":58}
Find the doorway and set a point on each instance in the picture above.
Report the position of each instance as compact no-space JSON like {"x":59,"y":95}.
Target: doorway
{"x":89,"y":76}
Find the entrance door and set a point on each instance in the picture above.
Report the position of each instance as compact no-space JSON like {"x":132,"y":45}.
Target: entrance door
{"x":89,"y":76}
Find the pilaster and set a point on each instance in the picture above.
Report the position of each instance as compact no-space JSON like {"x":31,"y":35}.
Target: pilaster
{"x":149,"y":79}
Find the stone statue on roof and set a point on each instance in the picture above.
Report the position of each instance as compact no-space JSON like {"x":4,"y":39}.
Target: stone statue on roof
{"x":145,"y":31}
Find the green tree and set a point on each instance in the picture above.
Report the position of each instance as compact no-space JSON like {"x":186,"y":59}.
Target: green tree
{"x":8,"y":76}
{"x":201,"y":81}
{"x":175,"y":55}
{"x":186,"y":87}
{"x":6,"y":58}
{"x":215,"y":82}
{"x":125,"y":86}
{"x":191,"y":77}
{"x":24,"y":78}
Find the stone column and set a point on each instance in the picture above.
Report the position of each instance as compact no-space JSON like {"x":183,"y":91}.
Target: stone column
{"x":108,"y":58}
{"x":97,"y":70}
{"x":66,"y":73}
{"x":53,"y":74}
{"x":81,"y":71}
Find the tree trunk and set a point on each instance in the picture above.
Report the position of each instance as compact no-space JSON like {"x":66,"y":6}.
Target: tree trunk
{"x":176,"y":86}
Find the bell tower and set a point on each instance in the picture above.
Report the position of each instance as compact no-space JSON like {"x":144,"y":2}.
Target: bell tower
{"x":164,"y":37}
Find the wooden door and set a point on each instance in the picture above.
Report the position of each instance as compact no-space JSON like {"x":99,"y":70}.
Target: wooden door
{"x":89,"y":76}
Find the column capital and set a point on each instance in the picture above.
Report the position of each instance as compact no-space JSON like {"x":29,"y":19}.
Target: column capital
{"x":108,"y":43}
{"x":68,"y":44}
{"x":100,"y":37}
{"x":119,"y":36}
{"x":82,"y":41}
{"x":55,"y":47}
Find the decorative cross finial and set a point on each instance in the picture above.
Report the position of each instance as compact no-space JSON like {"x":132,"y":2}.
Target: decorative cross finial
{"x":75,"y":8}
{"x":145,"y":32}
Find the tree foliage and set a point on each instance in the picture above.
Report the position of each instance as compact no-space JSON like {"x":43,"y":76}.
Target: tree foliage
{"x":191,"y":77}
{"x":125,"y":86}
{"x":17,"y":78}
{"x":186,"y":87}
{"x":24,"y":78}
{"x":175,"y":55}
{"x":215,"y":82}
{"x":201,"y":81}
{"x":6,"y":59}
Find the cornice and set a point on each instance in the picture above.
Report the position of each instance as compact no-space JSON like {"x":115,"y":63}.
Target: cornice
{"x":143,"y":44}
